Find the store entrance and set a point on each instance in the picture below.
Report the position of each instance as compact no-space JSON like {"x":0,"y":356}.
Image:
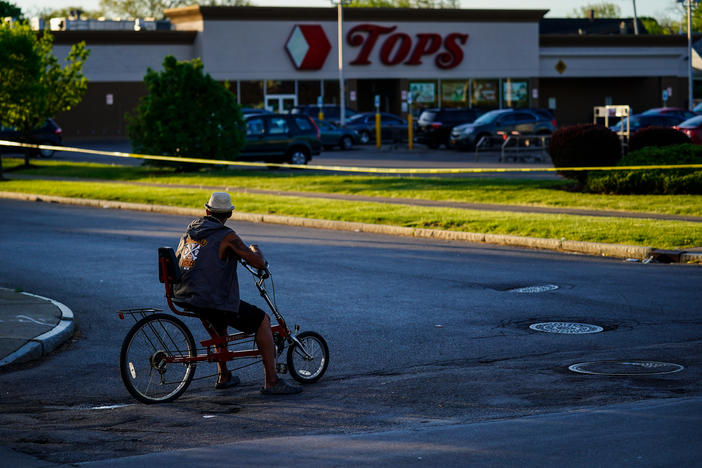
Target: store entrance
{"x":280,"y":103}
{"x":388,"y":90}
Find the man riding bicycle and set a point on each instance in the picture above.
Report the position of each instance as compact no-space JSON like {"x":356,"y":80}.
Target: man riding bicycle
{"x":208,"y":255}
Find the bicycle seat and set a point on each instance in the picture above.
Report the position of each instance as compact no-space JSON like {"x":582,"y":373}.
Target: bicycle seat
{"x":168,"y":271}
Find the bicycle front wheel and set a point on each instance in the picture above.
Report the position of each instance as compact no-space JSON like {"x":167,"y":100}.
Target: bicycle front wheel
{"x":145,"y":354}
{"x":307,"y":364}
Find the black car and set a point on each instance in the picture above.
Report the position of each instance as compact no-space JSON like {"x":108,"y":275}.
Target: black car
{"x":434,"y":125}
{"x":330,"y":112}
{"x":392,"y":127}
{"x":500,"y":123}
{"x":333,"y":135}
{"x":48,"y":134}
{"x":281,"y":138}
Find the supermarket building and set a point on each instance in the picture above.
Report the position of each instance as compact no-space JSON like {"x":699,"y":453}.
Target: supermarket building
{"x":279,"y":57}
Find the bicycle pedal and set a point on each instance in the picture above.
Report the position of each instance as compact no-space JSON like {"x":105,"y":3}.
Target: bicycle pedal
{"x":281,"y":368}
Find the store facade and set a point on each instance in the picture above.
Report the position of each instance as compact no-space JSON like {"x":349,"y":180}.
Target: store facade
{"x":410,"y":59}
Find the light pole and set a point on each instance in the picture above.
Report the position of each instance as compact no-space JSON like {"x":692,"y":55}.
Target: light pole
{"x":340,"y":41}
{"x":690,"y":97}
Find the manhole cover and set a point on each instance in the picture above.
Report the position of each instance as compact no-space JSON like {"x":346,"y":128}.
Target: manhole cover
{"x":535,"y":289}
{"x":626,"y":368}
{"x":568,"y":328}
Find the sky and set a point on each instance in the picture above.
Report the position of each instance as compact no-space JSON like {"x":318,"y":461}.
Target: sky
{"x":557,"y":8}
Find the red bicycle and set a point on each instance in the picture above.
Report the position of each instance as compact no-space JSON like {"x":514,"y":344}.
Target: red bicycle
{"x":158,"y":356}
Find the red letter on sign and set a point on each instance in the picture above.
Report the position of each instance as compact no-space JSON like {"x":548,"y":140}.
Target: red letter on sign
{"x":454,"y":54}
{"x":427,"y":44}
{"x":405,"y":46}
{"x":355,"y":38}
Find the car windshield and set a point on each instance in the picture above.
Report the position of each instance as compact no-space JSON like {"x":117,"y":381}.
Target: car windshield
{"x":356,"y":118}
{"x":490,"y":117}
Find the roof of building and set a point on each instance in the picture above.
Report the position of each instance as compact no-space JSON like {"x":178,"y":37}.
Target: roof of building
{"x":583,"y":26}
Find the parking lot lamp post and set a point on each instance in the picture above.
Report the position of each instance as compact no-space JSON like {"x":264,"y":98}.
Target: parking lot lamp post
{"x":690,"y":97}
{"x":340,"y":41}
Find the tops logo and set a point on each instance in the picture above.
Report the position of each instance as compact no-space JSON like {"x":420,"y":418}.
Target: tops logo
{"x":308,"y":46}
{"x":397,"y":47}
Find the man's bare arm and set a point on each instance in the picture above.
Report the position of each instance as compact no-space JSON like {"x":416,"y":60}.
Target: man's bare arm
{"x":252,"y":255}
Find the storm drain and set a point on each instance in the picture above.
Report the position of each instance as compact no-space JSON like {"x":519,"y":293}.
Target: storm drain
{"x":535,"y":289}
{"x":568,"y":328}
{"x":626,"y":368}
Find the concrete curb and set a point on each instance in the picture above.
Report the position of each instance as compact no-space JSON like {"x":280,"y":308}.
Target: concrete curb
{"x":46,"y":342}
{"x":562,"y":245}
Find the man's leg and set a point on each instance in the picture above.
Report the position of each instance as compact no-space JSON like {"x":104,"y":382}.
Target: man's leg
{"x":216,"y":330}
{"x":264,"y":340}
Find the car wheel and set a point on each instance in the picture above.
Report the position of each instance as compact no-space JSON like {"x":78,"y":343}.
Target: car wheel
{"x":365,"y":137}
{"x":346,"y":143}
{"x":298,"y":157}
{"x":46,"y":153}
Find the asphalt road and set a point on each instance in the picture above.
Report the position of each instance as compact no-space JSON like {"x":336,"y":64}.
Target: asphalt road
{"x":422,"y":334}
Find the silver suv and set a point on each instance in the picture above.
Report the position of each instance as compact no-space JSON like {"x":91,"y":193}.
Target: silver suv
{"x":501,"y":123}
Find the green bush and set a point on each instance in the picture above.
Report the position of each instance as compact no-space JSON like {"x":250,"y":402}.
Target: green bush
{"x":584,"y":145}
{"x":656,"y":136}
{"x":186,"y":113}
{"x":655,"y":181}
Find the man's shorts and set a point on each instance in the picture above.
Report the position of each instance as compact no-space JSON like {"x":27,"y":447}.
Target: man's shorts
{"x":247,"y":320}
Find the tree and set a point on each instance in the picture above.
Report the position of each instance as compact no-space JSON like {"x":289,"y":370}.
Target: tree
{"x":405,"y":4}
{"x":155,"y":8}
{"x":70,"y":12}
{"x":601,"y":10}
{"x":8,"y":9}
{"x":34,"y":84}
{"x":186,"y":113}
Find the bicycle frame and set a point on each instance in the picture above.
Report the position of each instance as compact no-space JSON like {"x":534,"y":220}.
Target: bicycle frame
{"x":219,"y":342}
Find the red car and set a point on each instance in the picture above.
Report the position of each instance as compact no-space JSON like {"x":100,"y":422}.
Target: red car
{"x":692,"y":128}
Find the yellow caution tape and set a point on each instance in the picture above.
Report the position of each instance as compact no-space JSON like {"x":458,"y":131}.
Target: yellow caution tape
{"x":377,"y":170}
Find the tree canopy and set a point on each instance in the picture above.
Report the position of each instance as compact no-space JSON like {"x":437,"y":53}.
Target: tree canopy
{"x":34,"y":84}
{"x":155,"y":8}
{"x":186,"y":113}
{"x":405,"y":4}
{"x":10,"y":9}
{"x":601,"y":10}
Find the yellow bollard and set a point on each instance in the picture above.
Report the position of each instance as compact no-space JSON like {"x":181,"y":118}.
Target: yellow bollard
{"x":377,"y":130}
{"x":410,"y":131}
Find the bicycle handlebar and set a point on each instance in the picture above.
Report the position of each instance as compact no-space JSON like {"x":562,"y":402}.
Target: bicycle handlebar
{"x":261,"y":273}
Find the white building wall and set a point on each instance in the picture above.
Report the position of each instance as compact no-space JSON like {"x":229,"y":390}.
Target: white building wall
{"x":125,"y":62}
{"x":248,"y":50}
{"x":613,"y":62}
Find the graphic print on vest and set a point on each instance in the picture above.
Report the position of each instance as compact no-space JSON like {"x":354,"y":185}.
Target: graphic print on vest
{"x":191,"y":249}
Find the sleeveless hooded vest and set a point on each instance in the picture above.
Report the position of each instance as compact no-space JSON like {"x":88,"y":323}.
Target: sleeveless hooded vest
{"x":207,"y":281}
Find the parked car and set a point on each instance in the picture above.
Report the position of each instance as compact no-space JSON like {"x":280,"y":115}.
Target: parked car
{"x":501,"y":123}
{"x":331,"y":112}
{"x":639,"y":121}
{"x":253,"y":110}
{"x":392,"y":127}
{"x":682,"y":114}
{"x":280,"y":138}
{"x":434,"y":125}
{"x":692,"y":128}
{"x":333,"y":135}
{"x":47,"y":134}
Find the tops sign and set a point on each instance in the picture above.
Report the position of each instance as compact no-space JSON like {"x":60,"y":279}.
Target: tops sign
{"x":308,"y":46}
{"x":399,"y":47}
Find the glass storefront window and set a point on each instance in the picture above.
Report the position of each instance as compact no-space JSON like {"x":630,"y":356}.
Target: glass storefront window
{"x":485,"y":93}
{"x":251,"y":94}
{"x":280,"y":87}
{"x":423,"y":93}
{"x":331,"y":92}
{"x":308,"y":91}
{"x":515,"y":93}
{"x":454,"y":93}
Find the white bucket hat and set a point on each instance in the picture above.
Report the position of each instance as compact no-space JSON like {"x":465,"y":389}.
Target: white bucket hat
{"x":220,"y":202}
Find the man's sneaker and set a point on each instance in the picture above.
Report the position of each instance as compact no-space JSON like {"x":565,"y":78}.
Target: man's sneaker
{"x":232,"y":382}
{"x":281,"y":388}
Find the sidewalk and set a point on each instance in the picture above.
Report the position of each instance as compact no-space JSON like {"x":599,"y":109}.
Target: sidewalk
{"x":31,"y":326}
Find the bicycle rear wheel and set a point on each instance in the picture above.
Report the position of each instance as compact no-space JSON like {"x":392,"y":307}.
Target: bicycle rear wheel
{"x":144,"y":355}
{"x":308,"y":366}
